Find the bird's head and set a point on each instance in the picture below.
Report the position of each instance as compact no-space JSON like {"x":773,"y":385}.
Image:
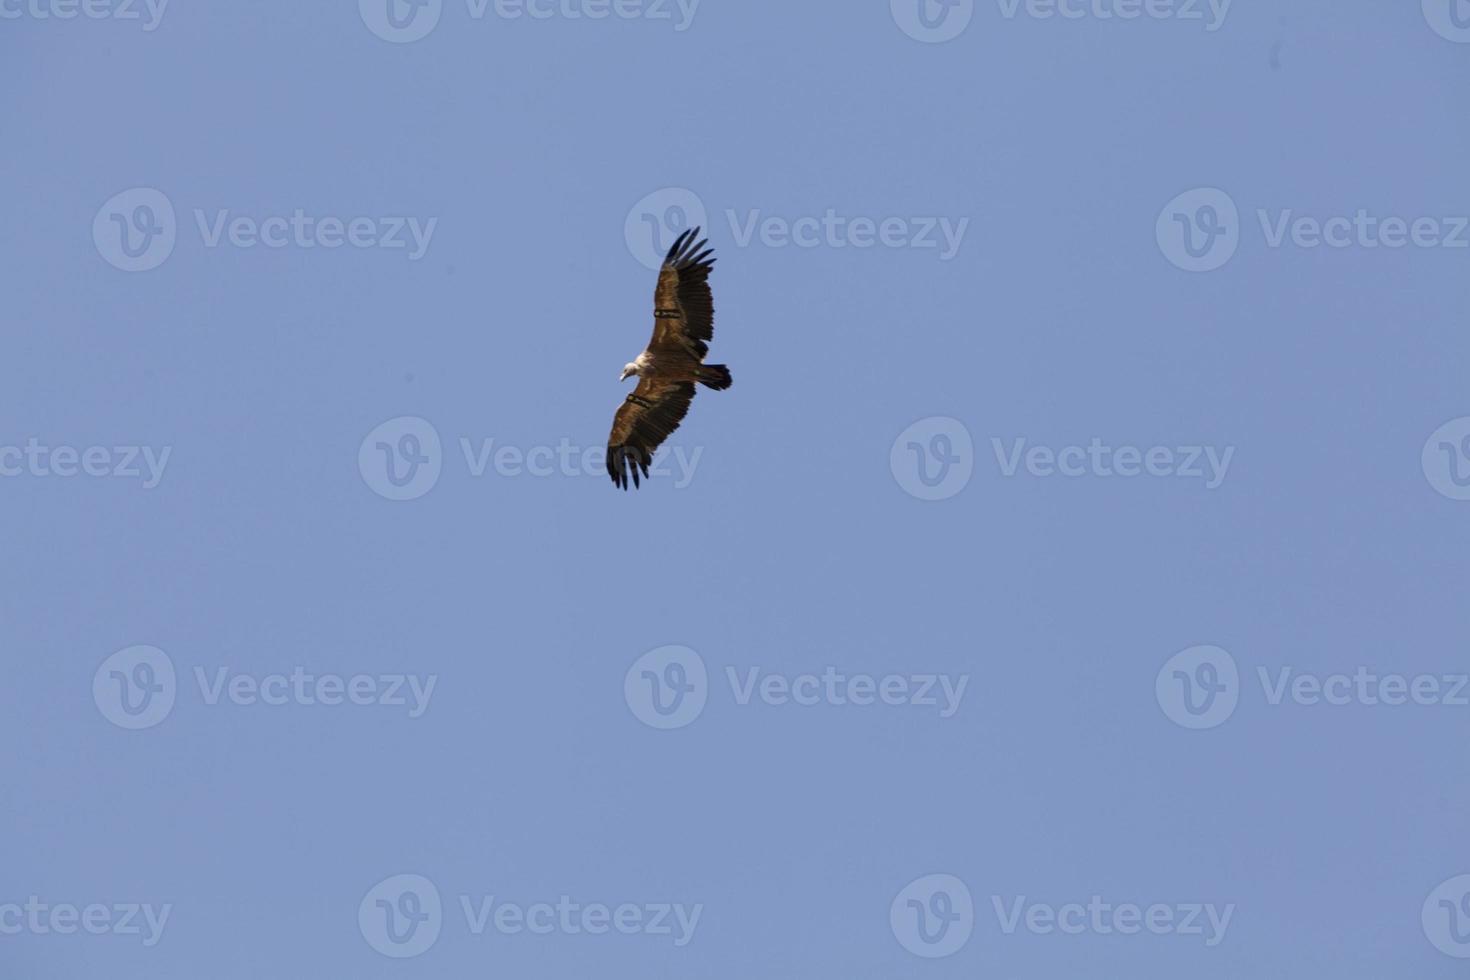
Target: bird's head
{"x":630,"y":369}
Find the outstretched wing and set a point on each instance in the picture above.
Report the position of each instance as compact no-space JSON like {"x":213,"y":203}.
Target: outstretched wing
{"x":683,"y":310}
{"x":648,"y":417}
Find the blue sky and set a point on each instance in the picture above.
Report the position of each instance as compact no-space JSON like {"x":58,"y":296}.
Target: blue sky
{"x":1071,"y":584}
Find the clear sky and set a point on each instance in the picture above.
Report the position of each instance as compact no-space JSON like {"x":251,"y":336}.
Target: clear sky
{"x":1094,"y":427}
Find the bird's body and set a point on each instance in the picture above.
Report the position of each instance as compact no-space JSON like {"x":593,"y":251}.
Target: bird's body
{"x":672,"y":363}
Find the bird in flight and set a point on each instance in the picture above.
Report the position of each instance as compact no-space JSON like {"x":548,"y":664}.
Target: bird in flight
{"x":673,"y":362}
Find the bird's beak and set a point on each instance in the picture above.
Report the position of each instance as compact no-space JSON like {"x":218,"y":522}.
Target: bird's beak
{"x":623,"y":376}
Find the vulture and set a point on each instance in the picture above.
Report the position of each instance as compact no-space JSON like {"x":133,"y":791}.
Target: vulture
{"x":671,"y":365}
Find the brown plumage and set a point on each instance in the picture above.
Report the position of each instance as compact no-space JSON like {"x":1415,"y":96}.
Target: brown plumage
{"x":671,"y":365}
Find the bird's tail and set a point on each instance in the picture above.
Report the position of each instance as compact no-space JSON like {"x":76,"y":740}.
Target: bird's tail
{"x":715,"y":376}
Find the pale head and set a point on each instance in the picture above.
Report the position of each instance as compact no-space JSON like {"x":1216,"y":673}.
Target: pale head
{"x":630,"y":369}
